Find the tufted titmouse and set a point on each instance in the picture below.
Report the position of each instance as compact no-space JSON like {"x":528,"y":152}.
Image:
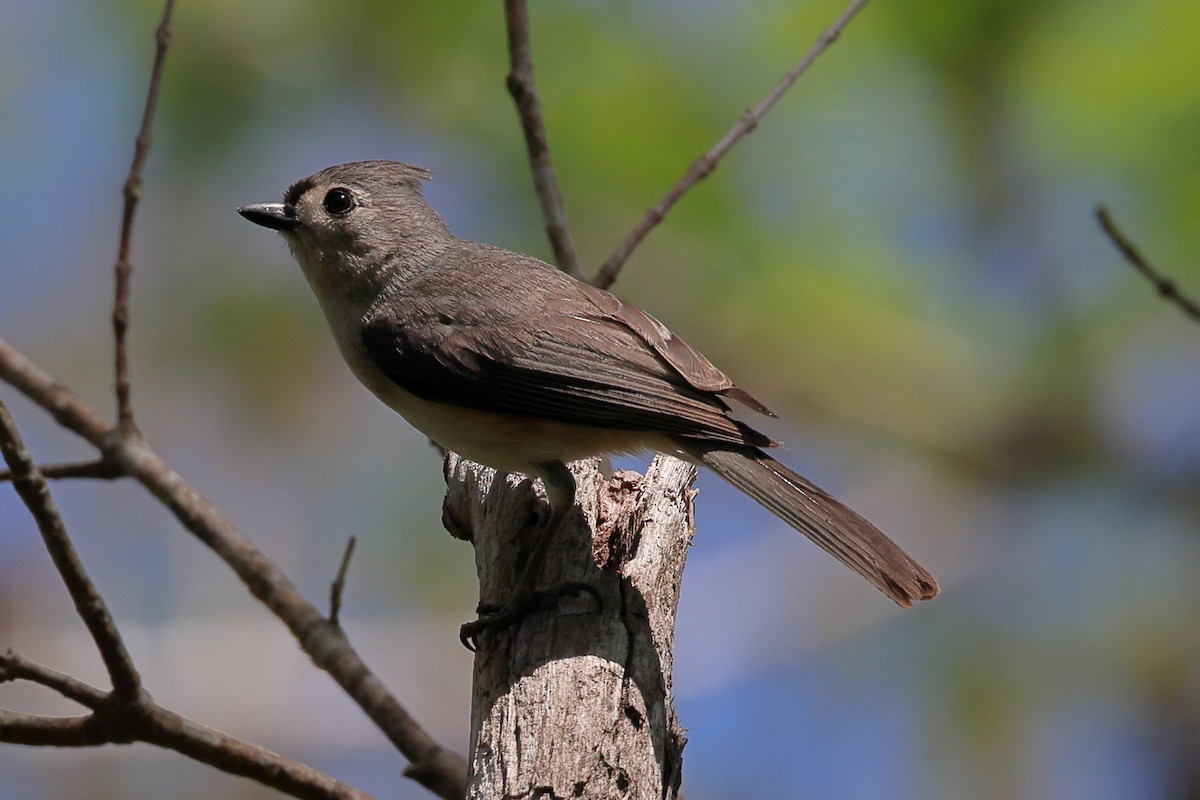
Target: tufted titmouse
{"x":512,"y":363}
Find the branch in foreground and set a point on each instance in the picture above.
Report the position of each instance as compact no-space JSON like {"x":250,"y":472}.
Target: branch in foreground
{"x":520,"y":86}
{"x":142,"y":720}
{"x":132,"y":194}
{"x":703,"y":166}
{"x":1165,"y":287}
{"x":438,"y":769}
{"x":89,"y":605}
{"x":99,"y":468}
{"x":126,"y":714}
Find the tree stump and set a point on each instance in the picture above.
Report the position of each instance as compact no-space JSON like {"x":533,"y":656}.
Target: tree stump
{"x":575,"y":701}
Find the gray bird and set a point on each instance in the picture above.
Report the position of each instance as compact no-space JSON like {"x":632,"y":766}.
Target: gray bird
{"x":512,"y":363}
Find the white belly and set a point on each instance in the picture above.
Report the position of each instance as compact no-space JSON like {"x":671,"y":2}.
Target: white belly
{"x":507,"y":442}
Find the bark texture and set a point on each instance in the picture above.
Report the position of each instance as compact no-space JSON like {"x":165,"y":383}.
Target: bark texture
{"x":575,"y":701}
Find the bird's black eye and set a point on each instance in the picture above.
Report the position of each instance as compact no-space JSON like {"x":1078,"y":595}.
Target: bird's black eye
{"x":338,"y":202}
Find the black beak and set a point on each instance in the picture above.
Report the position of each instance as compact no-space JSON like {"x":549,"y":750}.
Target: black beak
{"x":278,"y":216}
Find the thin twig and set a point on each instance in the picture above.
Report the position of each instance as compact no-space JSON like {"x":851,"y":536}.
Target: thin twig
{"x":339,"y":583}
{"x":99,"y":469}
{"x":35,"y":493}
{"x":132,"y":194}
{"x":440,"y":770}
{"x":1165,"y":287}
{"x":705,"y":164}
{"x":520,"y":86}
{"x":14,"y":667}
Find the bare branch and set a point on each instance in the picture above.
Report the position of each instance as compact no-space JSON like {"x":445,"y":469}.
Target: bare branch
{"x":31,"y":729}
{"x":132,"y":194}
{"x":703,"y":166}
{"x":90,"y":606}
{"x":1165,"y":287}
{"x":140,"y":719}
{"x":100,"y":469}
{"x":520,"y":86}
{"x":440,"y":770}
{"x":339,"y":583}
{"x":16,"y":668}
{"x":127,"y":714}
{"x":210,"y":746}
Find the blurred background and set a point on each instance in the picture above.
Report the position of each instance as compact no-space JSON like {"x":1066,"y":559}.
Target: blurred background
{"x":902,"y":261}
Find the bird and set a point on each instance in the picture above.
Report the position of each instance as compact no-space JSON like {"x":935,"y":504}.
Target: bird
{"x":514,"y":364}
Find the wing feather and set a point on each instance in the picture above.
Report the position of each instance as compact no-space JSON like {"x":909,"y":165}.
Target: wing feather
{"x":594,"y":372}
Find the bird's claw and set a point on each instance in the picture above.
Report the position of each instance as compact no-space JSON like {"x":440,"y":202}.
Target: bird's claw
{"x":493,"y":617}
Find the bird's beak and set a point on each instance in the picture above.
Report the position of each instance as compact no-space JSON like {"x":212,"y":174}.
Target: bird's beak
{"x":278,"y":216}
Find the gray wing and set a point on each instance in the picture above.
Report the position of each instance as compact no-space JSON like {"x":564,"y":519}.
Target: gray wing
{"x":687,"y":361}
{"x":568,"y":361}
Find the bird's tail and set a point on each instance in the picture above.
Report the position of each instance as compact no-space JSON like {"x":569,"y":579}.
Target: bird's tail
{"x":811,"y":510}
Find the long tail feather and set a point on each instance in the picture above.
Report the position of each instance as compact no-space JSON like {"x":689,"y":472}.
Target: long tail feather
{"x":814,"y":512}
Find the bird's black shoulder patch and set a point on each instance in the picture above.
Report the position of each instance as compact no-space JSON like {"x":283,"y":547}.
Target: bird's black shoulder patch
{"x":422,"y":360}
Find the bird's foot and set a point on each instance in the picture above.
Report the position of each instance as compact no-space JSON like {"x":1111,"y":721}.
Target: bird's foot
{"x":492,"y":617}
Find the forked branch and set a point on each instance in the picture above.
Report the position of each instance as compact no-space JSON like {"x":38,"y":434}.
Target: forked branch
{"x":127,"y":713}
{"x":440,"y":770}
